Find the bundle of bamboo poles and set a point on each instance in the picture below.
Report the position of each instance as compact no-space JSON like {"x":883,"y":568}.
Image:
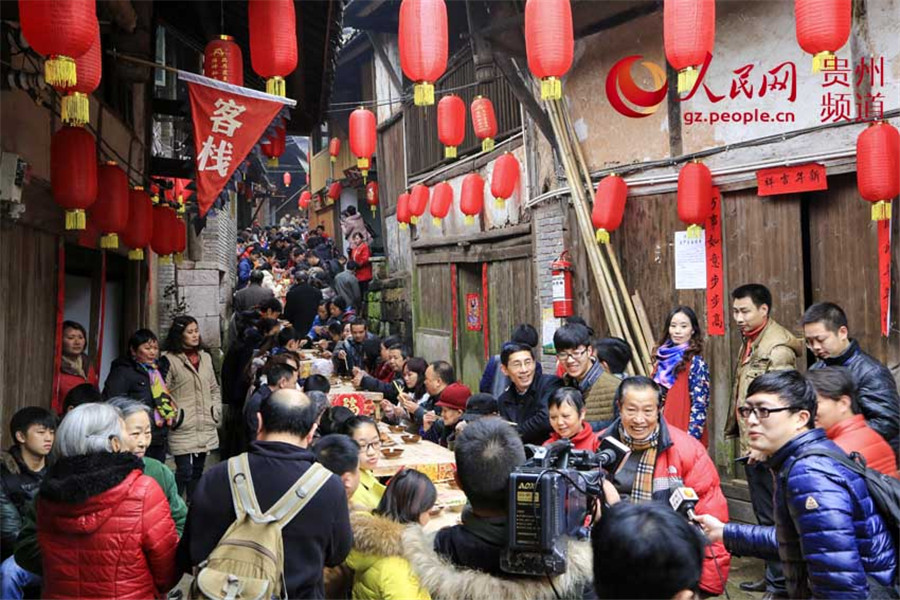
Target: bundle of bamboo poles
{"x":618,"y":306}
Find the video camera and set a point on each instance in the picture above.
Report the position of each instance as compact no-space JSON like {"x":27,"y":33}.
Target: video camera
{"x":549,"y":498}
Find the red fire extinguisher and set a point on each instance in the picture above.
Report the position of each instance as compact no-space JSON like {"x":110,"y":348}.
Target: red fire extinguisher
{"x":562,"y":286}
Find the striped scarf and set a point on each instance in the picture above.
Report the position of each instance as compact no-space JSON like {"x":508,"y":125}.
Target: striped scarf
{"x":642,"y":490}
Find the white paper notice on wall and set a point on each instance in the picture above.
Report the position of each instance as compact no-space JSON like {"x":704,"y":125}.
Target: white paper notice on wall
{"x":690,"y":261}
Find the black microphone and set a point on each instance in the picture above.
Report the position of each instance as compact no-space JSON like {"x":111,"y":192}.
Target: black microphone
{"x":683,"y":500}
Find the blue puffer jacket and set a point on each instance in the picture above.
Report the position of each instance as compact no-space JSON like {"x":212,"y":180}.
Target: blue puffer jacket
{"x":827,"y":534}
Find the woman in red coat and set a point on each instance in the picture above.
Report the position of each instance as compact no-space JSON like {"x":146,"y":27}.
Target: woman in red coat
{"x":104,"y":527}
{"x":566,"y":407}
{"x":361,"y":255}
{"x":75,"y":367}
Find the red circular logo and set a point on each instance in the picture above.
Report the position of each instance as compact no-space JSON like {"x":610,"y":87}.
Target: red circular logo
{"x":623,"y":92}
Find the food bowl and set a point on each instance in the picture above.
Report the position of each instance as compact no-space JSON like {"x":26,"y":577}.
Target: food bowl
{"x":391,"y":452}
{"x":397,"y":428}
{"x":457,"y":508}
{"x":435,"y":510}
{"x":410,"y":438}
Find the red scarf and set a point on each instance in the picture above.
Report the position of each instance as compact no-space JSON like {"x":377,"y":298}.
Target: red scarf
{"x":750,"y":337}
{"x":193,"y":357}
{"x":585,"y":439}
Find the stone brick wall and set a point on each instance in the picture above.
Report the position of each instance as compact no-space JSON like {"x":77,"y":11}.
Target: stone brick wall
{"x":389,"y":309}
{"x":548,"y":225}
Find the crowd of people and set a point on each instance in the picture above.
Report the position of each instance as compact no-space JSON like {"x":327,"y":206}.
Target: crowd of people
{"x":294,"y":497}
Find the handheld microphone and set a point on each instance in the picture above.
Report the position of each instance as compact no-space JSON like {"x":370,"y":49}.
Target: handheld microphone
{"x":683,"y":501}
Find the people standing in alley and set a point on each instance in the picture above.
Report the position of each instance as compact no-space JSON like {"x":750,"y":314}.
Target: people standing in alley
{"x":346,"y":285}
{"x":253,"y":295}
{"x":193,"y":384}
{"x":767,"y":347}
{"x":301,"y":302}
{"x":361,"y":255}
{"x":526,"y":398}
{"x":141,"y":374}
{"x":75,"y":366}
{"x":680,"y":370}
{"x":584,"y":372}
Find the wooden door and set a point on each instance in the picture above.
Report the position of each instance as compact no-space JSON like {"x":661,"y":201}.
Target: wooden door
{"x":471,"y":319}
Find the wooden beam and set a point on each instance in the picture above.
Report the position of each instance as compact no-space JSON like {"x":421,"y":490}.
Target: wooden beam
{"x":523,"y":94}
{"x":620,"y":18}
{"x":473,"y":254}
{"x":484,"y":236}
{"x":379,"y":52}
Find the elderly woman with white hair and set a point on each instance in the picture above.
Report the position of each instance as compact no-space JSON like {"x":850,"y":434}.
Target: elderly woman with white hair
{"x":104,"y":527}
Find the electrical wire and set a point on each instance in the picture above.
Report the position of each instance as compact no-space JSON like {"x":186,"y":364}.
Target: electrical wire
{"x":404,"y":98}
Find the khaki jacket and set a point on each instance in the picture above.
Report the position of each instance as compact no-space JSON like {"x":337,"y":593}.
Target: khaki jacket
{"x":775,"y":349}
{"x":196,"y":393}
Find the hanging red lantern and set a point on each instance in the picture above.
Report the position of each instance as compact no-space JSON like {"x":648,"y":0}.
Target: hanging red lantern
{"x":287,"y":179}
{"x":362,"y":138}
{"x":878,"y":167}
{"x":822,"y":28}
{"x":694,"y":197}
{"x":403,"y":214}
{"x":305,"y":199}
{"x":273,"y":41}
{"x":423,"y":42}
{"x":61,"y":31}
{"x":609,"y":206}
{"x":74,"y":107}
{"x":161,"y":236}
{"x":110,"y":211}
{"x":334,"y":192}
{"x":484,"y":122}
{"x":689,"y":29}
{"x":451,"y":122}
{"x":73,"y":173}
{"x":549,"y":43}
{"x":418,"y":202}
{"x":273,"y":146}
{"x":372,"y":196}
{"x":471,"y":200}
{"x":224,"y":61}
{"x":504,"y":179}
{"x":334,"y":148}
{"x":139,"y":230}
{"x":441,"y":201}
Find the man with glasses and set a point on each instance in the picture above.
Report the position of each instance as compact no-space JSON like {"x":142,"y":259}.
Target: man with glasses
{"x":584,"y":372}
{"x":525,"y":400}
{"x":830,"y":538}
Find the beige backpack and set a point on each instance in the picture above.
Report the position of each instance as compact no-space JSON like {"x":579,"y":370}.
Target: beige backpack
{"x":248,"y":562}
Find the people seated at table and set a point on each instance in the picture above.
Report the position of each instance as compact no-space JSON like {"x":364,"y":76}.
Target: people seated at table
{"x":413,"y":395}
{"x":441,"y":429}
{"x":340,"y":454}
{"x":364,"y":432}
{"x":397,"y":354}
{"x":567,"y":412}
{"x":317,"y":383}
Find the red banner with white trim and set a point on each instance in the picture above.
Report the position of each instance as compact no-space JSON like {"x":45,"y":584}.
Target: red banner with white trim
{"x":884,"y":275}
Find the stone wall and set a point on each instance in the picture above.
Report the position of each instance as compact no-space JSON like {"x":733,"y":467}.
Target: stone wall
{"x":549,"y":242}
{"x":389,"y":308}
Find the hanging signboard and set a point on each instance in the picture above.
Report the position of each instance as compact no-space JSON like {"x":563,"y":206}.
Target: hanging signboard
{"x":791,"y":180}
{"x":715,"y":279}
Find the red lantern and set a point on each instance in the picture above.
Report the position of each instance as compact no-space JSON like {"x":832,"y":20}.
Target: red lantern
{"x":305,"y":199}
{"x":139,"y":230}
{"x":549,"y":43}
{"x":334,"y":148}
{"x":822,"y":28}
{"x":451,"y":120}
{"x":75,"y":108}
{"x":878,"y":167}
{"x":162,"y":234}
{"x":403,"y":215}
{"x":441,"y":201}
{"x":689,"y":30}
{"x":61,"y":31}
{"x":73,"y":173}
{"x":505,"y":178}
{"x":484,"y":122}
{"x":694,"y":197}
{"x":422,"y":38}
{"x":372,"y":196}
{"x":273,"y":147}
{"x":418,"y":202}
{"x":287,"y":179}
{"x":273,"y":41}
{"x":609,"y":206}
{"x":471,"y":199}
{"x":110,"y":211}
{"x":362,"y":138}
{"x":223,"y":61}
{"x":334,"y":192}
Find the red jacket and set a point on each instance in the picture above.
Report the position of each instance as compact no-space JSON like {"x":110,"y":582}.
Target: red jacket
{"x":117,"y":544}
{"x":854,"y":435}
{"x":67,"y":380}
{"x":361,"y":255}
{"x":586,"y":439}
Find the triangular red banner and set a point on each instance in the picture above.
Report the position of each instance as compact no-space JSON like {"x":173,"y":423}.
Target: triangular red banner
{"x":227,"y":124}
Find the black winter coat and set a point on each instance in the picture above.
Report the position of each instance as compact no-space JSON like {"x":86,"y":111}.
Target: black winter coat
{"x":529,"y":410}
{"x":878,"y":397}
{"x":18,"y":486}
{"x":300,"y":306}
{"x":127,"y":378}
{"x":319,"y":536}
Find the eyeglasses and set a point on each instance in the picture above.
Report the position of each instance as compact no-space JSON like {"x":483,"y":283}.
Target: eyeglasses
{"x":574,"y":355}
{"x":376,"y":446}
{"x":761,"y":412}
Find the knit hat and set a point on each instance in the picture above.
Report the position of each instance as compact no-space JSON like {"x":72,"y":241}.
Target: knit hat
{"x":455,"y":396}
{"x":481,"y":405}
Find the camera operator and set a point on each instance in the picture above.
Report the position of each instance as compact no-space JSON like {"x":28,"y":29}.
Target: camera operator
{"x":663,"y":459}
{"x":463,"y":562}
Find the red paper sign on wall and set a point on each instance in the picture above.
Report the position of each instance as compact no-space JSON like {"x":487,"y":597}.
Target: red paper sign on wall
{"x":473,"y":312}
{"x":791,"y":180}
{"x":715,"y":281}
{"x":884,"y":274}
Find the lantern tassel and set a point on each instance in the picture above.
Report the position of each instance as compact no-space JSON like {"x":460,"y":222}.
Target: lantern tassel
{"x":276,"y":86}
{"x":136,"y":254}
{"x":334,"y":159}
{"x":110,"y":241}
{"x":436,"y":221}
{"x":76,"y":109}
{"x":819,"y":61}
{"x":499,"y":202}
{"x":470,"y":219}
{"x":272,"y":162}
{"x":881,"y":211}
{"x":423,"y":94}
{"x":449,"y":151}
{"x":374,"y":208}
{"x":179,"y":258}
{"x":414,"y":220}
{"x":602,"y":236}
{"x":402,"y":225}
{"x":551,"y":88}
{"x":75,"y":220}
{"x":59,"y":72}
{"x":687,"y":78}
{"x":694,"y":232}
{"x":487,"y":144}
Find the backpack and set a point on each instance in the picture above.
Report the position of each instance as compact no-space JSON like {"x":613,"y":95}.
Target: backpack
{"x":248,"y":562}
